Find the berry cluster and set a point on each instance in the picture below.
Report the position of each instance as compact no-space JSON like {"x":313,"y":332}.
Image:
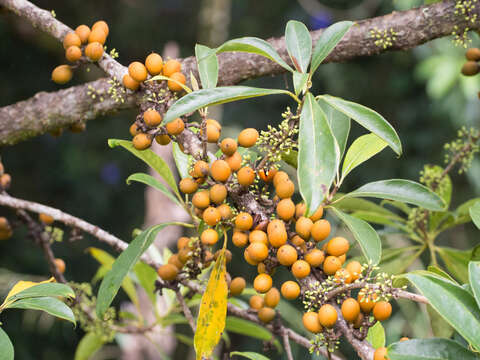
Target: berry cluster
{"x":471,"y":67}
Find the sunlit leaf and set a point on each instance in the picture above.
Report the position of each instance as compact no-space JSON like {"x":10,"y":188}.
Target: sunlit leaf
{"x":155,"y":183}
{"x":244,"y":327}
{"x":181,"y":160}
{"x":50,"y":305}
{"x":376,"y":335}
{"x":362,"y":149}
{"x":339,"y":123}
{"x":456,"y":261}
{"x":299,"y":44}
{"x":88,"y":346}
{"x":207,"y":65}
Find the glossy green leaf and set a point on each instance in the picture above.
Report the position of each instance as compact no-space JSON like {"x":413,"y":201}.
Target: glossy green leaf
{"x":299,"y":81}
{"x":220,"y":95}
{"x":122,"y":265}
{"x":88,"y":346}
{"x":369,"y":119}
{"x":366,"y":236}
{"x":362,"y":149}
{"x":50,"y":305}
{"x":462,"y":212}
{"x":358,"y":204}
{"x":207,"y":63}
{"x":41,"y":290}
{"x":474,"y":279}
{"x":299,"y":44}
{"x":291,"y":158}
{"x":181,"y":160}
{"x":339,"y":123}
{"x":440,"y":327}
{"x":376,"y":335}
{"x":6,"y":346}
{"x":429,"y":349}
{"x":475,"y":214}
{"x":244,"y":327}
{"x":151,"y":159}
{"x":255,"y":46}
{"x":153,"y":182}
{"x":436,"y":270}
{"x":452,"y":302}
{"x":330,"y":37}
{"x":401,"y":190}
{"x":249,"y":355}
{"x":456,"y":261}
{"x":318,"y":155}
{"x":398,"y":260}
{"x":146,"y":276}
{"x":376,"y":218}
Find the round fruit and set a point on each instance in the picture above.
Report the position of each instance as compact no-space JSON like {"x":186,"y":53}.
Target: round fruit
{"x":213,"y":134}
{"x":168,"y":272}
{"x":152,"y":117}
{"x":228,"y":146}
{"x":277,"y":234}
{"x":267,"y":175}
{"x":175,"y":127}
{"x":327,"y":315}
{"x":303,"y":227}
{"x":102,"y":25}
{"x":331,"y":265}
{"x":248,"y":259}
{"x":473,"y":54}
{"x":71,"y":39}
{"x":174,"y":260}
{"x":239,"y":239}
{"x":350,"y":309}
{"x":246,"y":176}
{"x":162,"y":139}
{"x":404,"y":339}
{"x":154,"y":64}
{"x":320,"y":230}
{"x":285,"y":209}
{"x":137,"y":71}
{"x":4,"y":224}
{"x":290,"y":290}
{"x":317,"y":214}
{"x":315,"y":257}
{"x":262,"y":283}
{"x":298,"y":241}
{"x":211,"y":216}
{"x":261,"y":268}
{"x":300,"y":269}
{"x":188,"y":186}
{"x":46,"y":219}
{"x":256,"y":302}
{"x":247,"y":137}
{"x":94,"y":51}
{"x":311,"y":322}
{"x":171,"y":67}
{"x":184,"y":255}
{"x":380,"y":354}
{"x":257,"y":251}
{"x":60,"y":265}
{"x":220,"y":170}
{"x":287,"y":255}
{"x":343,"y":276}
{"x":83,"y":31}
{"x":129,"y":83}
{"x":218,"y":193}
{"x":201,"y":199}
{"x":285,"y":189}
{"x":258,"y":236}
{"x":234,"y":161}
{"x":175,"y":80}
{"x":62,"y":74}
{"x":355,"y":269}
{"x":367,"y":302}
{"x":279,"y":177}
{"x":97,"y":35}
{"x":382,"y":310}
{"x":338,"y":246}
{"x":214,"y":123}
{"x":142,"y":141}
{"x":272,"y":297}
{"x":200,"y":169}
{"x":6,"y":181}
{"x":183,"y":242}
{"x":209,"y":237}
{"x":266,"y":314}
{"x":73,"y":53}
{"x":243,"y":221}
{"x":470,"y":68}
{"x":237,"y":285}
{"x":225,"y":211}
{"x":358,"y":321}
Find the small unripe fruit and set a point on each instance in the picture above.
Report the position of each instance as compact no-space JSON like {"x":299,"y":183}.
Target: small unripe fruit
{"x":211,"y":216}
{"x":327,"y":315}
{"x":367,"y":302}
{"x":266,"y":314}
{"x":343,"y":276}
{"x":290,"y":290}
{"x":338,"y":246}
{"x":234,"y":161}
{"x":262,"y":283}
{"x":300,"y":269}
{"x":168,"y":272}
{"x":62,"y":74}
{"x":162,"y":139}
{"x":142,"y":141}
{"x":287,"y":255}
{"x":137,"y":71}
{"x":188,"y":186}
{"x":470,"y":68}
{"x":213,"y":134}
{"x":183,"y":242}
{"x":243,"y":221}
{"x":171,"y":67}
{"x":228,"y":146}
{"x":258,"y":236}
{"x":350,"y":309}
{"x":102,"y":25}
{"x":355,"y":269}
{"x":73,"y":53}
{"x":285,"y":189}
{"x":380,"y":354}
{"x":218,"y":193}
{"x":176,"y":79}
{"x":97,"y":35}
{"x":246,"y":176}
{"x":209,"y":237}
{"x":175,"y":127}
{"x":200,"y":169}
{"x":225,"y":211}
{"x":247,"y":137}
{"x":94,"y":51}
{"x":272,"y":298}
{"x":237,"y":286}
{"x":320,"y":230}
{"x":279,"y":177}
{"x":220,"y":170}
{"x":83,"y":31}
{"x":285,"y":209}
{"x":46,"y":219}
{"x":257,"y":251}
{"x":311,"y":322}
{"x":152,"y":117}
{"x":256,"y":302}
{"x":71,"y":39}
{"x":201,"y":199}
{"x":382,"y":310}
{"x":473,"y":54}
{"x":154,"y":64}
{"x":331,"y":264}
{"x":303,"y":227}
{"x":60,"y":265}
{"x":315,"y":257}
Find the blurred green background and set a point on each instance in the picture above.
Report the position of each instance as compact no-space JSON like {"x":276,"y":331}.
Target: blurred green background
{"x":420,"y":92}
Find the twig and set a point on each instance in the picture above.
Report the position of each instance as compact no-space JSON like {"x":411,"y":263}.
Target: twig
{"x":186,"y":310}
{"x":286,"y":343}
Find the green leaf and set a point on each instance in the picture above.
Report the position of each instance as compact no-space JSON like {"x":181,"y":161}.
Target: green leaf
{"x":475,"y":214}
{"x":462,"y":212}
{"x":376,"y":218}
{"x":330,"y":37}
{"x":151,"y":159}
{"x":369,"y":119}
{"x":299,"y":44}
{"x":452,"y":302}
{"x":6,"y":345}
{"x":291,"y":158}
{"x":88,"y":346}
{"x":244,"y":327}
{"x":255,"y":46}
{"x":362,"y":149}
{"x":153,"y":182}
{"x":207,"y":63}
{"x":299,"y":81}
{"x":376,"y":335}
{"x":366,"y":236}
{"x":50,"y":305}
{"x":436,"y":270}
{"x":220,"y":95}
{"x":124,"y":263}
{"x":401,"y":190}
{"x":249,"y":355}
{"x":474,"y":279}
{"x":339,"y":122}
{"x":429,"y":349}
{"x":318,"y":155}
{"x":146,"y":276}
{"x":456,"y":261}
{"x":46,"y":289}
{"x":358,"y":204}
{"x":181,"y":160}
{"x":396,"y":261}
{"x":440,"y":327}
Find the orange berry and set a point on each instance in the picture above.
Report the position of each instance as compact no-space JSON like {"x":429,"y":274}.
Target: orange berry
{"x":257,"y":251}
{"x":174,"y":260}
{"x":152,"y":117}
{"x":130,"y":83}
{"x":102,"y":25}
{"x":62,"y":74}
{"x":154,"y":64}
{"x":218,"y":193}
{"x":171,"y":67}
{"x":228,"y":146}
{"x":71,"y":39}
{"x":355,"y":269}
{"x":211,"y":216}
{"x":60,"y":265}
{"x":342,"y":258}
{"x":225,"y":211}
{"x":380,"y":354}
{"x":258,"y":236}
{"x":272,"y":298}
{"x":285,"y":189}
{"x":358,"y":321}
{"x":213,"y":134}
{"x":168,"y":272}
{"x":73,"y":53}
{"x":46,"y":219}
{"x":298,"y":241}
{"x":237,"y":285}
{"x":285,"y":209}
{"x":184,"y":255}
{"x":261,"y":268}
{"x":382,"y":310}
{"x":317,"y":214}
{"x":350,"y":309}
{"x":311,"y":322}
{"x":188,"y":186}
{"x":327,"y":315}
{"x":331,"y":264}
{"x":97,"y":35}
{"x":279,"y":177}
{"x":470,"y":68}
{"x":277,"y":234}
{"x":266,"y":314}
{"x":209,"y":237}
{"x":162,"y":139}
{"x":404,"y":339}
{"x":262,"y":283}
{"x":246,"y":176}
{"x":287,"y":255}
{"x":315,"y":257}
{"x":243,"y":221}
{"x":290,"y":290}
{"x":83,"y":31}
{"x":338,"y":246}
{"x":200,"y":169}
{"x":234,"y":161}
{"x":320,"y":230}
{"x":256,"y":302}
{"x":175,"y":80}
{"x":239,"y":239}
{"x":473,"y":54}
{"x":142,"y":141}
{"x":247,"y":137}
{"x":267,"y":175}
{"x":248,"y":259}
{"x":300,"y":269}
{"x":303,"y":227}
{"x":342,"y":275}
{"x":201,"y":199}
{"x":220,"y":170}
{"x":175,"y":127}
{"x":94,"y":51}
{"x":367,"y":302}
{"x":183,"y":242}
{"x":214,"y":123}
{"x":137,"y":71}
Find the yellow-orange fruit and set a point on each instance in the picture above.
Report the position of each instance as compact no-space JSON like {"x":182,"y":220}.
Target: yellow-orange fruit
{"x":243,"y":221}
{"x":327,"y":315}
{"x":267,"y":175}
{"x":300,"y":269}
{"x":342,"y":258}
{"x":175,"y":80}
{"x":60,"y":265}
{"x":183,"y":242}
{"x":239,"y":239}
{"x":298,"y":241}
{"x":102,"y":25}
{"x":246,"y":176}
{"x":256,"y":302}
{"x":152,"y":117}
{"x":4,"y":224}
{"x":272,"y":297}
{"x":473,"y":54}
{"x":188,"y":186}
{"x":130,"y":83}
{"x":262,"y":283}
{"x":137,"y":71}
{"x":266,"y":314}
{"x":174,"y":260}
{"x":83,"y":31}
{"x":97,"y":35}
{"x":228,"y":146}
{"x":317,"y":214}
{"x":404,"y":339}
{"x":171,"y":67}
{"x":175,"y":127}
{"x":303,"y":227}
{"x":154,"y":64}
{"x":46,"y":219}
{"x":338,"y":246}
{"x":71,"y":39}
{"x":287,"y":255}
{"x":320,"y":230}
{"x":315,"y":257}
{"x":6,"y":179}
{"x":94,"y":51}
{"x":201,"y":199}
{"x":285,"y":189}
{"x":225,"y":211}
{"x":142,"y":141}
{"x":342,"y":275}
{"x":213,"y":134}
{"x":367,"y":302}
{"x":168,"y":272}
{"x":277,"y":234}
{"x":234,"y":161}
{"x":184,"y":254}
{"x":220,"y":170}
{"x":350,"y":309}
{"x":261,"y":268}
{"x":200,"y":169}
{"x":470,"y":68}
{"x":279,"y":177}
{"x":311,"y":322}
{"x":214,"y":123}
{"x":258,"y":236}
{"x":218,"y":193}
{"x":62,"y":74}
{"x":257,"y":251}
{"x":162,"y":139}
{"x":237,"y":285}
{"x":209,"y":237}
{"x":248,"y":259}
{"x":380,"y":354}
{"x":73,"y":53}
{"x":355,"y":269}
{"x":285,"y":209}
{"x":290,"y":290}
{"x":382,"y":310}
{"x":211,"y":216}
{"x":331,"y":264}
{"x":247,"y":137}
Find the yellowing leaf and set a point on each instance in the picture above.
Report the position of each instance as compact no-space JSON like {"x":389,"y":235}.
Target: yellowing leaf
{"x":213,"y":310}
{"x":20,"y":286}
